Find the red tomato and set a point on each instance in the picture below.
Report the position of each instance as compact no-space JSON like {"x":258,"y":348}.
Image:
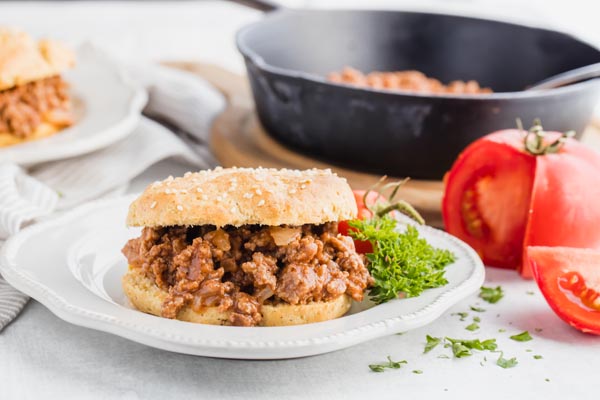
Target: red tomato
{"x":363,"y":213}
{"x":569,"y":279}
{"x":500,"y":198}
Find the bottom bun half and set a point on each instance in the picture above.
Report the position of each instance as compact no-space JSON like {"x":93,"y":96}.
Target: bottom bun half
{"x":44,"y":130}
{"x":148,"y":298}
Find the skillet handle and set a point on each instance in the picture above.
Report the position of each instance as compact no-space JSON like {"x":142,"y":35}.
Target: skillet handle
{"x":260,"y":5}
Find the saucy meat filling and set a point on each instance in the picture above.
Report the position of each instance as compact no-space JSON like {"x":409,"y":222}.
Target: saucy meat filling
{"x":23,"y":108}
{"x":238,"y":269}
{"x":408,"y":81}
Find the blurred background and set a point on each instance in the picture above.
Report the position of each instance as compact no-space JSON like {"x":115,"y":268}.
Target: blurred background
{"x":140,"y":31}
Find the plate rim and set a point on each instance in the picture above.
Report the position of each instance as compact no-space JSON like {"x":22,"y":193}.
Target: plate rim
{"x":141,"y":332}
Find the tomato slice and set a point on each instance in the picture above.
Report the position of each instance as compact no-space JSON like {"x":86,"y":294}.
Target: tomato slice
{"x":569,"y":279}
{"x":487,"y":207}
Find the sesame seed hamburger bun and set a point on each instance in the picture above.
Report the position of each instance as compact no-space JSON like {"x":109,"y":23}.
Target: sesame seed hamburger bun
{"x":245,"y":196}
{"x":247,"y":247}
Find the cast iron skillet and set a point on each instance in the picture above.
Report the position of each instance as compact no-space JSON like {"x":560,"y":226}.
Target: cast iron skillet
{"x":289,"y":53}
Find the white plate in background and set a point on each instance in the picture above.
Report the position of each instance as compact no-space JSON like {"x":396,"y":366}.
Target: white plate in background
{"x":107,"y":107}
{"x":73,"y":265}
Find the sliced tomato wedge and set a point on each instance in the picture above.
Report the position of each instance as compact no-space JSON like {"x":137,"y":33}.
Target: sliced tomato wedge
{"x":569,"y":279}
{"x":510,"y":190}
{"x":486,"y":203}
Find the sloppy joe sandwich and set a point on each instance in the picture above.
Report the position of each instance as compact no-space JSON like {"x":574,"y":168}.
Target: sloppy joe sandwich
{"x":245,"y":247}
{"x":34,"y":99}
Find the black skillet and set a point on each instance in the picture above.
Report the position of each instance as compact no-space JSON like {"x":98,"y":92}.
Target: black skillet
{"x":289,"y":53}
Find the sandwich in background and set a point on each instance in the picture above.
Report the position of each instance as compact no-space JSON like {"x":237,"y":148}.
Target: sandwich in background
{"x":34,"y":99}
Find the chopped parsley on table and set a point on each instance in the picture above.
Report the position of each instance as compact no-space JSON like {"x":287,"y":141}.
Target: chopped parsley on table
{"x":522,"y":337}
{"x":490,"y":294}
{"x":472,"y":327}
{"x":506,"y":363}
{"x":460,"y":347}
{"x":389,"y":365}
{"x":477,"y":309}
{"x":432,"y":342}
{"x":462,"y":315}
{"x":401,"y":262}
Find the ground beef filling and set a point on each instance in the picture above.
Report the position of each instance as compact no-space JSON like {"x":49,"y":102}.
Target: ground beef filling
{"x":239,"y":269}
{"x":23,"y":108}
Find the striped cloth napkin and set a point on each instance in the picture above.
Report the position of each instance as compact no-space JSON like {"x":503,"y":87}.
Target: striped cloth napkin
{"x":184,"y":101}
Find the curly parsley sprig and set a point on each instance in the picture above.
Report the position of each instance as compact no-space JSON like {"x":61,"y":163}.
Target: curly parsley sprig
{"x":402,"y":263}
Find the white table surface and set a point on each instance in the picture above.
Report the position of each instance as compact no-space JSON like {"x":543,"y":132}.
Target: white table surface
{"x":43,"y":357}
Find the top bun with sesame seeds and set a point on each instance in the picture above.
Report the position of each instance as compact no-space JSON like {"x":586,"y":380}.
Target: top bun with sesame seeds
{"x":245,"y":196}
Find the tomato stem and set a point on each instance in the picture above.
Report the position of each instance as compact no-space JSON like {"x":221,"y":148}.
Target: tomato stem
{"x":400,"y":205}
{"x":405,"y":208}
{"x":534,"y":139}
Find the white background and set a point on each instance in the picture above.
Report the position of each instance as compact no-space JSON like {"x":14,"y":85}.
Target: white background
{"x":44,"y":357}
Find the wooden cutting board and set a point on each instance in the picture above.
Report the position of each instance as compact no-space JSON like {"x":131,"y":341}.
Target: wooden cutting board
{"x":238,"y":139}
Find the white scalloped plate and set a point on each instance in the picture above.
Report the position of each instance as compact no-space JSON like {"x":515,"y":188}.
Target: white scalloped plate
{"x":107,"y":108}
{"x":73,"y":265}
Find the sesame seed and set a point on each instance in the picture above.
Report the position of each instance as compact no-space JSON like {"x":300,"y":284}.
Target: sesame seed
{"x":179,"y":207}
{"x":167,"y":191}
{"x":292,"y":191}
{"x":303,"y":186}
{"x":248,"y":195}
{"x":199,"y":190}
{"x":232,"y":209}
{"x":183,"y":191}
{"x":258,"y":192}
{"x":219,"y":198}
{"x":153,"y":204}
{"x":261,"y":203}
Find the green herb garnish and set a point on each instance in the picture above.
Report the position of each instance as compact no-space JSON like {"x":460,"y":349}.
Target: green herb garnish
{"x":459,"y":350}
{"x":501,"y":330}
{"x":472,"y":327}
{"x":462,"y":315}
{"x":432,"y":342}
{"x":504,"y":363}
{"x":491,"y":295}
{"x":476,"y":319}
{"x":538,"y":357}
{"x":401,"y":262}
{"x":462,"y":348}
{"x":417,"y":371}
{"x":390,"y":365}
{"x":477,"y":309}
{"x":522,"y":337}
